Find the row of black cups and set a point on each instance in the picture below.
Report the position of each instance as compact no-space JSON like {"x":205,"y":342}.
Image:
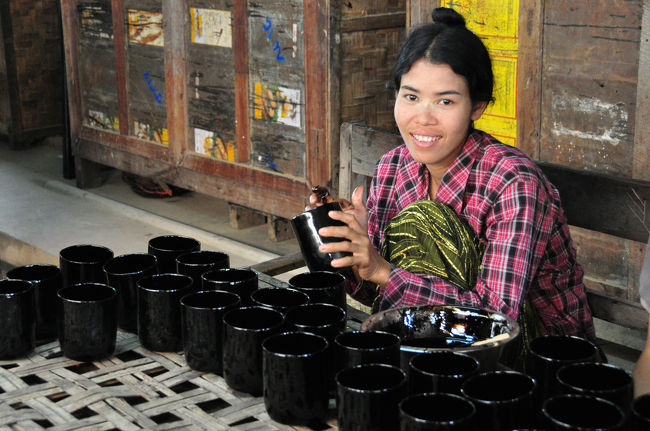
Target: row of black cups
{"x":92,"y":292}
{"x":290,"y":346}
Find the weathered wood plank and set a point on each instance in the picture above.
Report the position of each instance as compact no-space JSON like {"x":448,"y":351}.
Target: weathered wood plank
{"x":175,"y":49}
{"x":280,"y":264}
{"x":419,"y":11}
{"x":642,"y":125}
{"x":619,"y":311}
{"x":529,"y":81}
{"x":602,"y":203}
{"x":589,"y":91}
{"x":318,"y":39}
{"x":374,"y":22}
{"x":242,"y":217}
{"x":240,"y":48}
{"x":119,"y":31}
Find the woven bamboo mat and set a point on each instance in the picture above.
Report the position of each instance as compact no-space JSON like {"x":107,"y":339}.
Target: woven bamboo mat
{"x":133,"y":389}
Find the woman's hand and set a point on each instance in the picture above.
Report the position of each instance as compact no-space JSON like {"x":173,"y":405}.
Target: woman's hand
{"x":365,"y":259}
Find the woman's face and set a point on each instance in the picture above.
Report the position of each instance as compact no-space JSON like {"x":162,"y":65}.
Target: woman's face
{"x":433,"y":111}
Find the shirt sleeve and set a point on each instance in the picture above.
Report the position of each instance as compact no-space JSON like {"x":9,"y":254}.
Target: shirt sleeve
{"x":516,"y":231}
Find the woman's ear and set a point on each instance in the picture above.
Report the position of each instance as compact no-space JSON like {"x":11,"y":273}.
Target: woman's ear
{"x":477,"y":110}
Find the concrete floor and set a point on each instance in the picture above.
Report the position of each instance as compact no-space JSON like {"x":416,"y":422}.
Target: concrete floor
{"x":41,"y":213}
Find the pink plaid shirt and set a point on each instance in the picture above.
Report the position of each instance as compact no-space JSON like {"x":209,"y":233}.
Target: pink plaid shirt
{"x":514,"y":210}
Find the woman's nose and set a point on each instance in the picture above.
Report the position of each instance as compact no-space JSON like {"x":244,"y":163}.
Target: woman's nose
{"x":426,"y":115}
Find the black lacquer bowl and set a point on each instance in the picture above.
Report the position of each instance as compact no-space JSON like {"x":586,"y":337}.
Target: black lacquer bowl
{"x":476,"y":332}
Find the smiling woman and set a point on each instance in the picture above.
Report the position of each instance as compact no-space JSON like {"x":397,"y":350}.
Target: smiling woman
{"x":454,"y":216}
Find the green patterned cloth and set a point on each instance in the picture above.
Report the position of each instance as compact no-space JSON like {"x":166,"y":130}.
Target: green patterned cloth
{"x":428,"y":237}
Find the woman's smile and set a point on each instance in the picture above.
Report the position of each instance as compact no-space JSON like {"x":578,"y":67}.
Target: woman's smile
{"x":425,"y":140}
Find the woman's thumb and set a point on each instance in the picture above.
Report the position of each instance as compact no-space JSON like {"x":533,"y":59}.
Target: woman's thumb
{"x":357,"y":197}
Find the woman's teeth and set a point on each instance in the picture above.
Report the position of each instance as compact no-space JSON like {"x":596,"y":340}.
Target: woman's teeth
{"x":426,"y":138}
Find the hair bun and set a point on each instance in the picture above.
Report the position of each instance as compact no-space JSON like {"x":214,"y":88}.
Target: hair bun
{"x":448,"y":17}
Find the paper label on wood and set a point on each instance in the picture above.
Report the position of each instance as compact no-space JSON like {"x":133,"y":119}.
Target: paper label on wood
{"x":150,"y":133}
{"x":277,"y":104}
{"x":101,"y":120}
{"x":145,"y":27}
{"x":96,"y":21}
{"x":211,"y":144}
{"x":496,"y":23}
{"x":211,"y":27}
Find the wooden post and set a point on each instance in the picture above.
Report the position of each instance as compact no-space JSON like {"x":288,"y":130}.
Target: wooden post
{"x":175,"y":17}
{"x":529,"y":77}
{"x":641,"y":161}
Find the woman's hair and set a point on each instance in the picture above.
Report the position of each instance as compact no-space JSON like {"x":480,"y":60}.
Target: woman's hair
{"x":448,"y":41}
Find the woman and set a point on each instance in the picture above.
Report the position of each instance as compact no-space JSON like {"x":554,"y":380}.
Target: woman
{"x":454,"y":216}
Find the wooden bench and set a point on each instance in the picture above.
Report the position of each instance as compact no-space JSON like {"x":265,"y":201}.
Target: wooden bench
{"x":591,"y":201}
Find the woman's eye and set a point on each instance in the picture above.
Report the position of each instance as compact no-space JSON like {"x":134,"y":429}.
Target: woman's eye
{"x":411,"y":97}
{"x":446,"y":102}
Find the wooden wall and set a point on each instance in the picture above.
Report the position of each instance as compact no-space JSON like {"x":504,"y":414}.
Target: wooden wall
{"x":591,"y":102}
{"x":32,"y":70}
{"x":372,"y":32}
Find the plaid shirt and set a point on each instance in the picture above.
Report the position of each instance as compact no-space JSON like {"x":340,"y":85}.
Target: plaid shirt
{"x":513,"y":209}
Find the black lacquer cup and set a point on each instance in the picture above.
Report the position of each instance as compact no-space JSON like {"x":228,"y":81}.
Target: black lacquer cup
{"x":244,"y":331}
{"x":167,"y":248}
{"x":600,"y":380}
{"x":47,"y":281}
{"x":159,"y":315}
{"x":87,"y":321}
{"x":368,"y":396}
{"x":550,"y":352}
{"x":326,"y":320}
{"x":295,"y":387}
{"x":17,"y":318}
{"x":242,"y":281}
{"x":83,"y":263}
{"x":196,"y":263}
{"x":354,"y":348}
{"x":202,"y":326}
{"x":305,"y":227}
{"x":582,"y":412}
{"x":440,"y":371}
{"x":437,"y":411}
{"x":279,"y":298}
{"x":321,"y":286}
{"x":640,"y":413}
{"x":123,"y":273}
{"x":503,"y":399}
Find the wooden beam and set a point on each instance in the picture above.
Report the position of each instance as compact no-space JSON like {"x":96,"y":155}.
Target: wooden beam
{"x":419,"y":11}
{"x":15,"y":123}
{"x":280,"y":264}
{"x":70,"y":26}
{"x":240,"y":47}
{"x":642,"y":126}
{"x":119,"y":46}
{"x":618,"y":311}
{"x":317,"y":61}
{"x":175,"y":24}
{"x":272,"y":194}
{"x":373,"y":22}
{"x":529,"y":77}
{"x":602,"y":203}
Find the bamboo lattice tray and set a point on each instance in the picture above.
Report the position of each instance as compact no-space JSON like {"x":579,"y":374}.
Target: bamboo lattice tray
{"x":133,"y":389}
